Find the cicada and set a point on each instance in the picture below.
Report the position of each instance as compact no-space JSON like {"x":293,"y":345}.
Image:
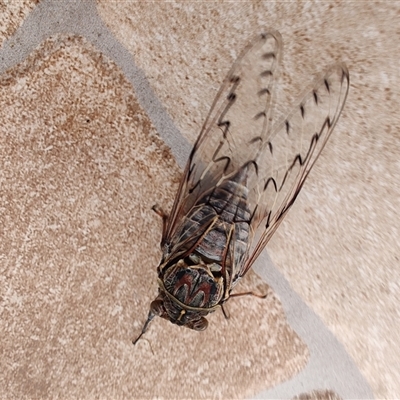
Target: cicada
{"x":242,"y":176}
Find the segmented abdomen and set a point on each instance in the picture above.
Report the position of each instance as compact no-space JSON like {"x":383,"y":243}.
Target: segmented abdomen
{"x":226,"y":240}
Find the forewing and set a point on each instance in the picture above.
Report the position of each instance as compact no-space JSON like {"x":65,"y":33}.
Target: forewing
{"x":233,"y":131}
{"x":290,"y":152}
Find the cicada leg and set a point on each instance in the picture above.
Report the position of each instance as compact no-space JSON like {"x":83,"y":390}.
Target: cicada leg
{"x":225,"y":312}
{"x":260,"y":296}
{"x":159,"y":211}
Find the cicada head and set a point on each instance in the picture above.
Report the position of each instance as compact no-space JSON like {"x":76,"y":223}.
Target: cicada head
{"x":187,"y":293}
{"x":170,"y":310}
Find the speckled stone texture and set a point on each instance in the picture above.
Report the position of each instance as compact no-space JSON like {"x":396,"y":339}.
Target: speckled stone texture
{"x":338,"y":246}
{"x":81,"y":167}
{"x":12,"y":15}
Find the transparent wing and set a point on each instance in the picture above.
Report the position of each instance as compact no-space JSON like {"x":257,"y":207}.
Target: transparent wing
{"x":232,"y":134}
{"x":290,"y":152}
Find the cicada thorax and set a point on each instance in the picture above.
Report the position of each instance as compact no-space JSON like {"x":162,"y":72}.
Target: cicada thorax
{"x":201,"y":279}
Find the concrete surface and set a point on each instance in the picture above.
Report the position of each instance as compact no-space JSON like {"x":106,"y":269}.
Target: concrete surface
{"x":86,"y":90}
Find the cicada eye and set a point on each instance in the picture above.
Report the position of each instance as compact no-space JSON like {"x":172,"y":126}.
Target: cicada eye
{"x":200,"y":325}
{"x":157,"y":307}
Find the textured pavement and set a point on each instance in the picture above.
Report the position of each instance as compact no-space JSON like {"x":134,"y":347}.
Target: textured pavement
{"x":99,"y":104}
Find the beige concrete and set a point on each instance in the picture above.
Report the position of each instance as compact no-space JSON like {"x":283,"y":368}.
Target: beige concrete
{"x":81,"y":167}
{"x":81,"y":164}
{"x":339,"y":246}
{"x":12,"y":15}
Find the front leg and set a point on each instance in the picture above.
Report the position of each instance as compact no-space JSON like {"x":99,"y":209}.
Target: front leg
{"x":159,"y":211}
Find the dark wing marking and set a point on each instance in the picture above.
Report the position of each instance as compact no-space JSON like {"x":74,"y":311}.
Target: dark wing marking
{"x":289,"y":154}
{"x":233,"y":131}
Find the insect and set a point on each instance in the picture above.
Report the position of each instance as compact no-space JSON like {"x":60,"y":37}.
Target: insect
{"x":242,"y":176}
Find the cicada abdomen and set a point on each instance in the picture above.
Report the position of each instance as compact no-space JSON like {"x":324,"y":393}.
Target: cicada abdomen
{"x":241,"y":178}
